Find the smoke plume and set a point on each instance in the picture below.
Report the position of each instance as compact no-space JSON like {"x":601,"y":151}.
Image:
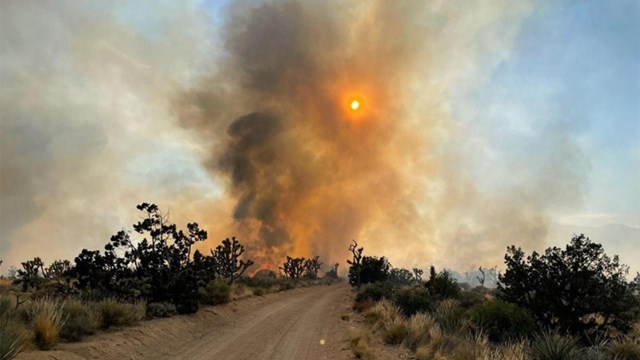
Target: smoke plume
{"x":247,"y":128}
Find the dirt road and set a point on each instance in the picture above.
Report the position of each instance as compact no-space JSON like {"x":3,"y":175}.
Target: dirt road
{"x":297,"y":324}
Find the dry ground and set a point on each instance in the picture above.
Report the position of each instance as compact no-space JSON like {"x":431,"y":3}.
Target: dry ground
{"x":286,"y":325}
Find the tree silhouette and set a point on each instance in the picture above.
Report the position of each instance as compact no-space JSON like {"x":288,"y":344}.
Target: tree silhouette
{"x":576,"y":289}
{"x":294,"y":267}
{"x":227,"y":258}
{"x":158,"y":268}
{"x":311,"y":267}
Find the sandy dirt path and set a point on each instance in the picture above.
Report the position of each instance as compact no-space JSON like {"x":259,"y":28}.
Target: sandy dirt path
{"x":297,"y":324}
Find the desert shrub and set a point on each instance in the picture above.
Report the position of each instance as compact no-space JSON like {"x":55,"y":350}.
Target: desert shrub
{"x":216,"y":292}
{"x":418,"y":327}
{"x":360,"y":347}
{"x":366,"y":269}
{"x":382,"y":312}
{"x":286,"y":284}
{"x":259,"y":291}
{"x":472,"y":297}
{"x":374,"y":269}
{"x":424,"y":353}
{"x":413,"y":300}
{"x":400,"y":276}
{"x":624,"y":348}
{"x":553,"y":346}
{"x":449,"y":315}
{"x":161,"y":310}
{"x":115,"y":313}
{"x":81,"y":319}
{"x":46,"y":320}
{"x":570,"y":285}
{"x":442,"y":285}
{"x":375,"y":292}
{"x":502,"y":321}
{"x":160,"y":267}
{"x":394,"y":330}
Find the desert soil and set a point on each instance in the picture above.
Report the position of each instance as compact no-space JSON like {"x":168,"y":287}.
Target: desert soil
{"x":302,"y":323}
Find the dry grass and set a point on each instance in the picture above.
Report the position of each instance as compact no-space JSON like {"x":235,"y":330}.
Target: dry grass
{"x":46,"y":319}
{"x":394,"y":330}
{"x":240,"y":291}
{"x":382,"y":312}
{"x":259,"y":291}
{"x":114,"y":313}
{"x":448,"y":315}
{"x":418,"y":330}
{"x":624,"y":348}
{"x":361,"y":346}
{"x":82,"y":319}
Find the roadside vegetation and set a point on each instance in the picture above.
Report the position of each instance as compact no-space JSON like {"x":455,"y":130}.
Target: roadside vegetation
{"x":153,"y":271}
{"x":571,"y":303}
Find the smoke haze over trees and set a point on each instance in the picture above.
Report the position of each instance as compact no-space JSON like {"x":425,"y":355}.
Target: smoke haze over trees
{"x":237,"y":119}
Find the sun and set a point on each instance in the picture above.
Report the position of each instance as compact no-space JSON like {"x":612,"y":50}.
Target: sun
{"x":355,"y":105}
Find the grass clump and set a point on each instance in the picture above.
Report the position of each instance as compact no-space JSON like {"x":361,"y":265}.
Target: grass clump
{"x":624,"y":348}
{"x":259,"y":291}
{"x":553,"y":346}
{"x":394,"y":330}
{"x":418,"y":328}
{"x":81,"y":319}
{"x":382,"y":312}
{"x":46,"y":320}
{"x":449,"y":315}
{"x":10,"y":340}
{"x":360,"y":347}
{"x":115,"y":313}
{"x":216,"y":292}
{"x":161,"y":310}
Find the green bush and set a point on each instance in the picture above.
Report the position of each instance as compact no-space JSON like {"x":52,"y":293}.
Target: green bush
{"x":442,"y":285}
{"x":472,"y":297}
{"x":216,"y":292}
{"x":413,"y":300}
{"x":114,"y":313}
{"x":161,"y":310}
{"x":374,"y":292}
{"x":82,"y":319}
{"x":502,"y":321}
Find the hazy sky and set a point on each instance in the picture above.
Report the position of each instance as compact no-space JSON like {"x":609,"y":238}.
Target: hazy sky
{"x":494,"y":120}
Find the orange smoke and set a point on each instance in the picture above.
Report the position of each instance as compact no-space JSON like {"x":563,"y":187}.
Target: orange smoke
{"x":309,"y":170}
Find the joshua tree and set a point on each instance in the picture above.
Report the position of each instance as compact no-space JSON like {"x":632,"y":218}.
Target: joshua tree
{"x":31,"y":275}
{"x":227,"y":259}
{"x":333,"y":273}
{"x":355,"y":263}
{"x":59,"y":271}
{"x":482,"y":278}
{"x":293,"y":267}
{"x":417,"y":274}
{"x":312,"y":266}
